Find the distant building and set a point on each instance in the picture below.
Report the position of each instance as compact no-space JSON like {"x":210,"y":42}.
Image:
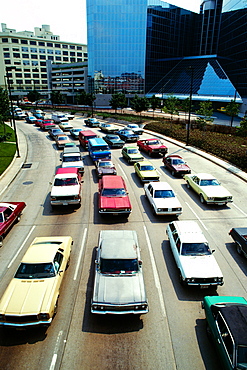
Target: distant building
{"x":25,"y":54}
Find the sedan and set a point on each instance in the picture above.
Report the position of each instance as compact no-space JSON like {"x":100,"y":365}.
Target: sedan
{"x":127,"y":135}
{"x":162,"y":199}
{"x":53,"y":132}
{"x":9,"y":214}
{"x":47,"y":124}
{"x":132,"y":154}
{"x":61,"y":140}
{"x":75,"y":132}
{"x":31,"y":119}
{"x":114,"y":141}
{"x":105,"y":167}
{"x":65,"y":126}
{"x":146,"y":171}
{"x":208,"y":188}
{"x":108,"y":127}
{"x":91,"y":122}
{"x":135,"y":128}
{"x":31,"y":297}
{"x":176,"y":165}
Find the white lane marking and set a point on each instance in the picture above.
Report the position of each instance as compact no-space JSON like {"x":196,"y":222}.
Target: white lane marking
{"x":80,"y":254}
{"x":155,"y":272}
{"x":30,"y":232}
{"x":240,"y":210}
{"x":125,"y":176}
{"x":198,"y":218}
{"x":54,"y":357}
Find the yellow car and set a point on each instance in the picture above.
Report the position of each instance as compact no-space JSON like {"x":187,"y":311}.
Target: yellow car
{"x":146,"y":171}
{"x":31,"y":296}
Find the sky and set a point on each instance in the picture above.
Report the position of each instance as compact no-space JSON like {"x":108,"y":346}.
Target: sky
{"x":66,"y":19}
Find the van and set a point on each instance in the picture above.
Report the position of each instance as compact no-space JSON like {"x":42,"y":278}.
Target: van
{"x":59,"y":117}
{"x":84,"y":136}
{"x":98,"y":149}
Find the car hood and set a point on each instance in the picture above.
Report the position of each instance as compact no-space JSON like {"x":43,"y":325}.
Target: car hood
{"x":136,"y":156}
{"x":167,"y":202}
{"x":215,"y":191}
{"x":77,"y":164}
{"x":27,"y":296}
{"x":200,"y":266}
{"x":180,"y":167}
{"x":119,"y":289}
{"x":65,"y":190}
{"x":115,"y":202}
{"x":156,"y":146}
{"x":149,"y":173}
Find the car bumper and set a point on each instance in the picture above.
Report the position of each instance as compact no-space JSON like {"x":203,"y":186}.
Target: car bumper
{"x":65,"y":202}
{"x":132,"y":309}
{"x":26,"y":324}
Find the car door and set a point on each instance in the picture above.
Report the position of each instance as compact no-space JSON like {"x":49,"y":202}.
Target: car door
{"x":150,"y":193}
{"x":195,"y":181}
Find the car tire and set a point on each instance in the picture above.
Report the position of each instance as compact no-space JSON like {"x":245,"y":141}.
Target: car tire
{"x":202,"y":200}
{"x":188,"y":185}
{"x":239,"y":249}
{"x":173,"y":173}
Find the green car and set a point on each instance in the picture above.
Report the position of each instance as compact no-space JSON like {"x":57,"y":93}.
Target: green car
{"x":227,"y":326}
{"x":131,"y":154}
{"x":146,"y":171}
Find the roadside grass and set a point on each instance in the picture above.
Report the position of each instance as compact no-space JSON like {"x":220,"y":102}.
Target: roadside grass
{"x":7,"y":148}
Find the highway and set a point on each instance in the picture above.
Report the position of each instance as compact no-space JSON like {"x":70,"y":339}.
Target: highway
{"x":173,"y":334}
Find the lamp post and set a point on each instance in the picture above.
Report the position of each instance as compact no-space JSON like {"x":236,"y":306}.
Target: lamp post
{"x":12,"y":110}
{"x":190,"y":102}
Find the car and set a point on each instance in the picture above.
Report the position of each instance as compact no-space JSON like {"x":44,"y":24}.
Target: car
{"x":74,"y":132}
{"x":31,"y":298}
{"x":10,"y":212}
{"x":71,"y":144}
{"x":118,"y":282}
{"x":127,"y":135}
{"x":37,"y":111}
{"x":132,"y":154}
{"x":59,"y":117}
{"x":66,"y":187}
{"x":108,"y":127}
{"x":91,"y":122}
{"x":47,"y":124}
{"x":176,"y":165}
{"x":61,"y":140}
{"x":84,"y":136}
{"x":114,"y":141}
{"x":19,"y":115}
{"x":39,"y":116}
{"x":30,"y":119}
{"x":135,"y":128}
{"x":162,"y":199}
{"x":239,"y":235}
{"x":153,"y":147}
{"x":146,"y":171}
{"x":105,"y":167}
{"x":65,"y":126}
{"x":113,"y":197}
{"x":54,"y":132}
{"x":73,"y":159}
{"x":194,"y":259}
{"x":209,"y":189}
{"x":226,"y":325}
{"x":69,"y":116}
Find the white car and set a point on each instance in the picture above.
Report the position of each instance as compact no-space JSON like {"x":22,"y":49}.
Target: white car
{"x":66,"y":187}
{"x":73,"y":159}
{"x":195,"y":261}
{"x":162,"y":199}
{"x":65,"y":126}
{"x":135,"y":128}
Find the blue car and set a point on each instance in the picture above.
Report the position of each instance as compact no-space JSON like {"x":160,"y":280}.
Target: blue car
{"x":127,"y":135}
{"x":31,"y":119}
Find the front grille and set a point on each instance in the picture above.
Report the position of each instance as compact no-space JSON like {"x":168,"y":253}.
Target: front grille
{"x":218,"y":199}
{"x":204,"y":281}
{"x":20,"y":319}
{"x":67,"y":197}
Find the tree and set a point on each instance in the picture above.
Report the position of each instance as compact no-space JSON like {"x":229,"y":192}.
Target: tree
{"x":154,"y":102}
{"x":4,"y":110}
{"x":205,"y":112}
{"x":82,"y":98}
{"x":139,"y":104}
{"x":90,"y":100}
{"x":33,"y":96}
{"x":242,"y":130}
{"x":171,"y":105}
{"x":56,"y":97}
{"x":118,"y":100}
{"x":232,"y":109}
{"x":186,"y":105}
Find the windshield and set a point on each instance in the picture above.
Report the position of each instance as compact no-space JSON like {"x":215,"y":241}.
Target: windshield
{"x":242,"y":357}
{"x":195,"y":249}
{"x":105,"y":164}
{"x":132,"y":151}
{"x":66,"y":182}
{"x":209,"y":182}
{"x":154,"y":142}
{"x":164,"y":194}
{"x":35,"y":271}
{"x":74,"y":158}
{"x":113,"y":192}
{"x":62,"y":138}
{"x":100,"y":149}
{"x":177,"y":161}
{"x":113,"y":137}
{"x":147,"y":168}
{"x":120,"y":266}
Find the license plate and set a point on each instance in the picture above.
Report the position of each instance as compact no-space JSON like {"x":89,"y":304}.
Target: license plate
{"x":203,"y":286}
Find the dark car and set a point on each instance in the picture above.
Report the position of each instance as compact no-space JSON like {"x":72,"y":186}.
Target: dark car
{"x":114,"y":141}
{"x":91,"y":122}
{"x":176,"y":165}
{"x":105,"y":167}
{"x":239,"y":235}
{"x":127,"y":135}
{"x":53,"y":132}
{"x":227,"y":329}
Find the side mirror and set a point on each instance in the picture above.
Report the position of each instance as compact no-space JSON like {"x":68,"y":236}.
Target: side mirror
{"x":213,"y":250}
{"x":140,"y":262}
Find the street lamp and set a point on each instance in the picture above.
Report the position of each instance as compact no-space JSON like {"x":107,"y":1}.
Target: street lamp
{"x":190,"y":102}
{"x":12,"y":109}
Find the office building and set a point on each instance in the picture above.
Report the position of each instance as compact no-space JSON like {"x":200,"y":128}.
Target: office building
{"x":25,"y":54}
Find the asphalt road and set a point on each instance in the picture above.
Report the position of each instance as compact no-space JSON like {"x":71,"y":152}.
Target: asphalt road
{"x":172,"y":335}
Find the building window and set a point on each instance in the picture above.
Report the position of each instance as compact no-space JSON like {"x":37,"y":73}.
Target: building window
{"x":18,"y":75}
{"x":79,"y":59}
{"x":25,"y":56}
{"x":58,"y":52}
{"x":42,"y":57}
{"x":35,"y":75}
{"x":50,"y":51}
{"x":72,"y":47}
{"x":16,"y":55}
{"x":42,"y":51}
{"x":33,"y":50}
{"x":43,"y":75}
{"x":65,"y":59}
{"x":65,"y":53}
{"x":34,"y":56}
{"x":23,"y":41}
{"x":72,"y":53}
{"x":26,"y":75}
{"x":19,"y":82}
{"x":7,"y":61}
{"x":85,"y":55}
{"x":17,"y":63}
{"x":5,"y":49}
{"x":28,"y":82}
{"x":57,"y":46}
{"x":43,"y":63}
{"x":79,"y":54}
{"x":26,"y":62}
{"x":33,"y":42}
{"x":50,"y":58}
{"x":43,"y":69}
{"x":79,"y":48}
{"x":6,"y":55}
{"x":49,"y":44}
{"x":65,"y":46}
{"x":41,"y":43}
{"x":16,"y":49}
{"x":72,"y":60}
{"x":15,"y":41}
{"x":58,"y":58}
{"x":34,"y":63}
{"x":44,"y":82}
{"x":24,"y":48}
{"x":5,"y":40}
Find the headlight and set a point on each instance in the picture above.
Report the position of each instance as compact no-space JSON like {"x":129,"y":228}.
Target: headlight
{"x":53,"y":198}
{"x":43,"y":316}
{"x":2,"y":317}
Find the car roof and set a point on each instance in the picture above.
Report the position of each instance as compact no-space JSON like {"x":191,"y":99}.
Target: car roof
{"x":190,"y":231}
{"x":236,"y":318}
{"x":88,"y":133}
{"x":66,"y":170}
{"x":43,"y":249}
{"x":111,"y":182}
{"x":161,"y":185}
{"x":174,"y":156}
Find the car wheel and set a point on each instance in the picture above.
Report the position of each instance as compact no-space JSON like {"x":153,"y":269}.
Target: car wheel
{"x":202,"y":199}
{"x":188,"y":185}
{"x":239,"y":249}
{"x":181,"y":280}
{"x":154,"y":213}
{"x":173,"y":173}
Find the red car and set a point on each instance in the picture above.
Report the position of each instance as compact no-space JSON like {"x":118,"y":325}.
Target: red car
{"x":113,"y":196}
{"x":176,"y":165}
{"x":47,"y":124}
{"x":9,"y":213}
{"x":152,"y":146}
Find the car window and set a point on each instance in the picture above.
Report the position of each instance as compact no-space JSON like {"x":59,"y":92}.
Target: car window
{"x":118,"y":266}
{"x":164,"y":194}
{"x":72,"y":159}
{"x":1,"y":218}
{"x":35,"y":271}
{"x":132,"y":151}
{"x":7,"y":212}
{"x":66,"y":182}
{"x":178,"y":242}
{"x":210,"y":182}
{"x":241,"y":357}
{"x":147,"y":168}
{"x":58,"y":259}
{"x":195,"y":249}
{"x":113,"y":192}
{"x":225,"y":336}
